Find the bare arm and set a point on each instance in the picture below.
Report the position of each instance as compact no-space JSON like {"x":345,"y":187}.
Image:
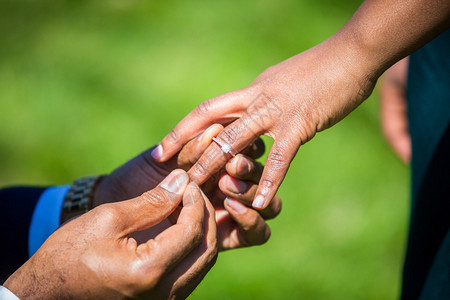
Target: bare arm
{"x":293,"y":100}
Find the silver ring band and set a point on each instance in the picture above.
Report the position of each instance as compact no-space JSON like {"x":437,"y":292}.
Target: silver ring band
{"x":224,"y":147}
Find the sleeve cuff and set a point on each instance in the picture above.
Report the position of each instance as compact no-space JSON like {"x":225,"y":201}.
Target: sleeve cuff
{"x":46,"y":216}
{"x":6,"y":294}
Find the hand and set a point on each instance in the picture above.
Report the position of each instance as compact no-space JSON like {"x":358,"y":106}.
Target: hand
{"x":231,"y":191}
{"x":238,"y":225}
{"x":289,"y":102}
{"x":311,"y":91}
{"x":245,"y":227}
{"x":394,"y":119}
{"x":94,"y":256}
{"x":143,"y":173}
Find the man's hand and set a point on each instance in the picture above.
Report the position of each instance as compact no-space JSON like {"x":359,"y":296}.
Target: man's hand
{"x":394,"y":119}
{"x":239,"y":225}
{"x":94,"y":256}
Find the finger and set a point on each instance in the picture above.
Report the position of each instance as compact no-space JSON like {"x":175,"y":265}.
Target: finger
{"x":256,"y":149}
{"x":394,"y":108}
{"x":192,"y":151}
{"x":174,"y":243}
{"x":244,"y":192}
{"x":401,"y":143}
{"x":237,"y":136}
{"x":245,"y":168}
{"x":199,"y":261}
{"x":151,"y":207}
{"x":221,"y":109}
{"x":280,"y":157}
{"x":394,"y":121}
{"x":253,"y":228}
{"x":232,"y":187}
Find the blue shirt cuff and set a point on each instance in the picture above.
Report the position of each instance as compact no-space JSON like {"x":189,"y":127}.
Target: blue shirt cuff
{"x":46,"y":216}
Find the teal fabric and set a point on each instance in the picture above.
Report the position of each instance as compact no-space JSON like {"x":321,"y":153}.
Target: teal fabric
{"x":437,"y":285}
{"x":428,"y":95}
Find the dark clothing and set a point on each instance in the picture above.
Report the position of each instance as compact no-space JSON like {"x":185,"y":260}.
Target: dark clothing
{"x":16,"y":209}
{"x":426,"y":273}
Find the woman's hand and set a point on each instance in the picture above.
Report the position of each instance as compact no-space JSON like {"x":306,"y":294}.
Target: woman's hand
{"x":95,"y":257}
{"x":289,"y":102}
{"x":311,"y":91}
{"x":394,"y":109}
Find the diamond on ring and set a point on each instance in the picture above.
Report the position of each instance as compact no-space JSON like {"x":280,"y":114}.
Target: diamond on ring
{"x":224,"y":146}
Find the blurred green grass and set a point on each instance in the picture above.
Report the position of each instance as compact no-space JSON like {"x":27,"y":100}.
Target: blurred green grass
{"x":86,"y":85}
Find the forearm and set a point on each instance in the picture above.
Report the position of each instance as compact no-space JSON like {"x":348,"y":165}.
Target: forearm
{"x":381,"y":32}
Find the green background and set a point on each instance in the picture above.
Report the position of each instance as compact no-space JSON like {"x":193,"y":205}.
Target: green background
{"x":86,"y":85}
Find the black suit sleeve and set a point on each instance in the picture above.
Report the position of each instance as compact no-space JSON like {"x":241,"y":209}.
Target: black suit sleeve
{"x":16,"y":210}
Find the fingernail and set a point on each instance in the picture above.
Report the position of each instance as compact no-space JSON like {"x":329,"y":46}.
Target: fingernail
{"x":157,"y":152}
{"x":200,"y":138}
{"x":176,"y":182}
{"x":258,"y":202}
{"x":205,"y":133}
{"x":235,"y":185}
{"x":235,"y":205}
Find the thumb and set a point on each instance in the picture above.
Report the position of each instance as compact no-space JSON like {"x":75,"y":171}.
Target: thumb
{"x":153,"y":206}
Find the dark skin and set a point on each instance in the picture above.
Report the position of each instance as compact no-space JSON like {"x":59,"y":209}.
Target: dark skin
{"x":394,"y":109}
{"x":162,"y":242}
{"x":310,"y":92}
{"x":94,"y":256}
{"x":236,"y":228}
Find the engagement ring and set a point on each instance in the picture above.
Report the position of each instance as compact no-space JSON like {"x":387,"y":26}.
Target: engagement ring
{"x":224,"y":147}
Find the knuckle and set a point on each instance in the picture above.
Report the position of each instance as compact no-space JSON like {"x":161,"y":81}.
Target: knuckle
{"x":277,"y":159}
{"x":195,"y":232}
{"x":252,"y":223}
{"x":172,"y":136}
{"x":108,"y":214}
{"x":201,"y":168}
{"x":156,"y":198}
{"x":230,"y":134}
{"x":268,"y":182}
{"x":205,"y":107}
{"x":305,"y":124}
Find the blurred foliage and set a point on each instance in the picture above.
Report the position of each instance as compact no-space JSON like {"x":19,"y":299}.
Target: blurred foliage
{"x":86,"y":85}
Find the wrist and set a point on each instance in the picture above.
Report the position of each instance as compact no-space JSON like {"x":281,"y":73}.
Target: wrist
{"x":79,"y":198}
{"x":355,"y":56}
{"x":24,"y":284}
{"x":101,"y":192}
